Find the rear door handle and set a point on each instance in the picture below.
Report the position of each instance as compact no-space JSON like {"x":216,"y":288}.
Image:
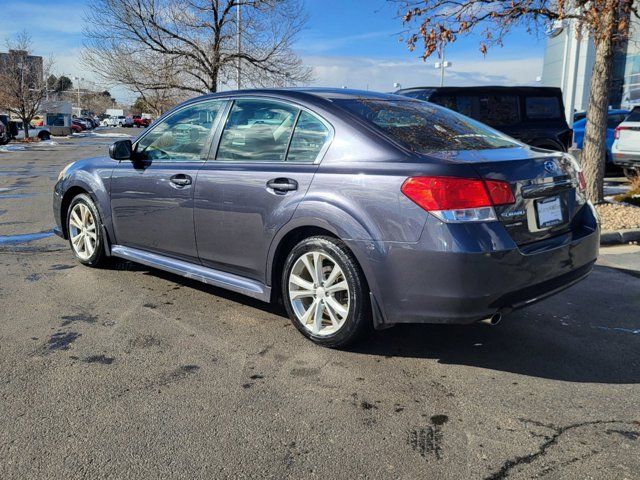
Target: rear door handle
{"x":181,"y":180}
{"x":282,"y":184}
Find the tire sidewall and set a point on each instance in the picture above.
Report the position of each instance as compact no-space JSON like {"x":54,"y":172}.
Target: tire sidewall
{"x":98,"y":254}
{"x":358,"y":299}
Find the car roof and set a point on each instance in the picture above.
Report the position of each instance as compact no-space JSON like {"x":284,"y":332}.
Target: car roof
{"x":488,"y":88}
{"x":308,"y":93}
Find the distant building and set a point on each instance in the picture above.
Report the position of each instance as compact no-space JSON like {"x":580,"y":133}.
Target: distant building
{"x":568,"y":64}
{"x":20,"y":62}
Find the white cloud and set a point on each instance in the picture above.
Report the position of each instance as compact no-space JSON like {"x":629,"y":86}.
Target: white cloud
{"x":381,"y":74}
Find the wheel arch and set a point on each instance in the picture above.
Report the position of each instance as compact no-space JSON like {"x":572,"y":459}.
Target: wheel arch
{"x":362,"y":250}
{"x":73,"y":191}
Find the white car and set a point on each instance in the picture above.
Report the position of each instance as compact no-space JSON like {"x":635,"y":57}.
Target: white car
{"x":626,"y":146}
{"x":110,"y":122}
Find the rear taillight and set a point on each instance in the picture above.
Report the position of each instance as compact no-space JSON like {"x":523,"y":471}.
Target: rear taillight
{"x":616,"y":132}
{"x":454,"y":199}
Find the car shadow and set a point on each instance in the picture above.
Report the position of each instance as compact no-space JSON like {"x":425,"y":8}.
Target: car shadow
{"x":580,"y":335}
{"x":588,"y":333}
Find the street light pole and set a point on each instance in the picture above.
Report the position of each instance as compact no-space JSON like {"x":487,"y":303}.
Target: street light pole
{"x":442,"y":64}
{"x":238,"y":40}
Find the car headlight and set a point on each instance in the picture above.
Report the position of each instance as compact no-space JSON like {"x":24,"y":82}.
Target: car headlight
{"x":64,"y":170}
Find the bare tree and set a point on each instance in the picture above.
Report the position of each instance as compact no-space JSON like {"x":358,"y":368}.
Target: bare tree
{"x":435,"y":23}
{"x":22,"y":80}
{"x":190,"y":45}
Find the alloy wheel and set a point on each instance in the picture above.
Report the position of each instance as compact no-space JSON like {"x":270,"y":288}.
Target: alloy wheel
{"x":319,"y":293}
{"x":82,"y":231}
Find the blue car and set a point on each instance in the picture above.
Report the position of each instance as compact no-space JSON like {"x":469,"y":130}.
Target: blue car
{"x":354,"y":209}
{"x":615,"y":118}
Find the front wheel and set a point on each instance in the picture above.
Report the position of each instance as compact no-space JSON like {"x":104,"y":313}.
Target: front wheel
{"x":85,"y":233}
{"x":325,"y":292}
{"x":44,"y":136}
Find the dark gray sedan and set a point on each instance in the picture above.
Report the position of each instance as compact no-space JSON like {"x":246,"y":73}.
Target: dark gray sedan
{"x":355,"y":209}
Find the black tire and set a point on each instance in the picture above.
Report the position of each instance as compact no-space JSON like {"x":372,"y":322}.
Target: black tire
{"x":4,"y":140}
{"x":99,"y":258}
{"x":358,"y":321}
{"x":44,"y":136}
{"x":630,"y":173}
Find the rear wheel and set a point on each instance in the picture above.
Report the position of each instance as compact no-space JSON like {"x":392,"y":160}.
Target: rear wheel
{"x":44,"y":136}
{"x":85,"y":233}
{"x":325,"y":292}
{"x":630,"y":173}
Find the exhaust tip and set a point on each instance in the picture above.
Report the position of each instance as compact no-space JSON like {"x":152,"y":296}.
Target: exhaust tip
{"x":493,"y":320}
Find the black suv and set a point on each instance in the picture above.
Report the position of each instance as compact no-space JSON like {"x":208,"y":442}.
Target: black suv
{"x":534,"y":115}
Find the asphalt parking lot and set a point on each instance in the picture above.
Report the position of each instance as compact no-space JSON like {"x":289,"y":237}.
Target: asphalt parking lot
{"x":131,"y":373}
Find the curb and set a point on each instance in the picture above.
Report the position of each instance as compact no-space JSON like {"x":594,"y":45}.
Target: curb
{"x":618,"y":237}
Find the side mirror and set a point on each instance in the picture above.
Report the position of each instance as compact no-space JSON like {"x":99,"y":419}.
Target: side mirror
{"x":121,"y":150}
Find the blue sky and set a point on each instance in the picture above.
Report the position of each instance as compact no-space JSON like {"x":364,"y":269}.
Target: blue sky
{"x":346,"y":42}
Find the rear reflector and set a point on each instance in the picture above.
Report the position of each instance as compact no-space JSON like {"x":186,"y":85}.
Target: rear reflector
{"x":453,"y":193}
{"x":582,"y":183}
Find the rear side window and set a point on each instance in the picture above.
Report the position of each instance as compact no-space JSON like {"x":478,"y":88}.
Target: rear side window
{"x":614,"y":120}
{"x":419,"y":94}
{"x":539,"y":108}
{"x":497,"y":109}
{"x":257,"y":131}
{"x":308,"y":139}
{"x":634,"y":116}
{"x":424,"y":127}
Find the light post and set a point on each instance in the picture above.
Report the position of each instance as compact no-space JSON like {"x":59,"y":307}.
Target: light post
{"x":442,"y":64}
{"x":78,"y":80}
{"x":238,"y":39}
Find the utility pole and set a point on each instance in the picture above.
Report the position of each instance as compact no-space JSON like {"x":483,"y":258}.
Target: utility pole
{"x":238,"y":40}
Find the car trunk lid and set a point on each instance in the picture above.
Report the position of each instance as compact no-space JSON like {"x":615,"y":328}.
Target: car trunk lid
{"x":544,"y":185}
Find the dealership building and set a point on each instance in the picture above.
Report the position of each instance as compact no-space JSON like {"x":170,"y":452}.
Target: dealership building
{"x":568,"y":63}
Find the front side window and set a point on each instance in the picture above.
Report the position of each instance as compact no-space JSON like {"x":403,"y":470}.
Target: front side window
{"x":424,"y":127}
{"x":181,"y":136}
{"x":539,"y":108}
{"x":257,"y":131}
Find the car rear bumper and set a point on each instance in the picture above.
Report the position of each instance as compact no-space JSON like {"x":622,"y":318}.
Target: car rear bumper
{"x":626,"y":159}
{"x":466,"y":279}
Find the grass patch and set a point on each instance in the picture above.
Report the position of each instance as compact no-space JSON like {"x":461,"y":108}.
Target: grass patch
{"x":633,"y":195}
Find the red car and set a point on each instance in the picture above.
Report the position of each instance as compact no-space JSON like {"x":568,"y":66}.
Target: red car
{"x":76,"y":128}
{"x":140,"y":122}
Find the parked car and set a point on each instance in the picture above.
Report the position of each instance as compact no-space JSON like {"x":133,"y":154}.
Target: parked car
{"x":79,"y":123}
{"x":91,"y":122}
{"x":357,"y":209}
{"x":141,"y":122}
{"x":5,"y":132}
{"x":121,"y":120}
{"x":42,"y":133}
{"x":614,"y":118}
{"x":83,"y":123}
{"x":110,"y":122}
{"x":534,"y":115}
{"x":626,"y":144}
{"x":128,"y":122}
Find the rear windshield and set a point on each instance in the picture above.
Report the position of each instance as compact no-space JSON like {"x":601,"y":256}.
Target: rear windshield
{"x":424,"y":127}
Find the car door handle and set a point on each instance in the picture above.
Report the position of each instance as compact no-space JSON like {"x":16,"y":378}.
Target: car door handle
{"x":181,"y":180}
{"x":282,"y":184}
